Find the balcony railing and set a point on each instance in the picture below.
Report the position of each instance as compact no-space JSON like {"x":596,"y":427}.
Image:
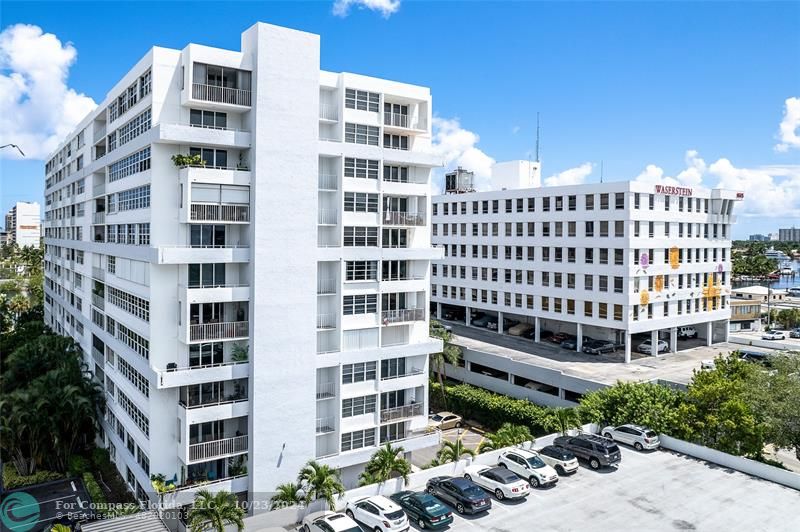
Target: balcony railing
{"x":239,"y":167}
{"x":400,"y":412}
{"x":218,"y":331}
{"x":213,"y":212}
{"x":328,"y":181}
{"x":326,"y":286}
{"x":403,"y":218}
{"x":409,"y":373}
{"x":328,"y":111}
{"x":214,"y":93}
{"x":401,"y":315}
{"x":325,"y":425}
{"x":326,"y":390}
{"x":327,"y":217}
{"x":215,"y":400}
{"x":395,"y":119}
{"x":212,"y":449}
{"x":403,"y":278}
{"x":99,"y":218}
{"x":326,"y":321}
{"x":98,"y":301}
{"x":98,"y":356}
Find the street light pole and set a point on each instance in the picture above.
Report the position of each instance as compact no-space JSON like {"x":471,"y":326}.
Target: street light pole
{"x":13,"y":146}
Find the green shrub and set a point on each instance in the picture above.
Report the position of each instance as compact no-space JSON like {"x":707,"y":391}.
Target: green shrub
{"x":490,"y":409}
{"x":12,"y":479}
{"x":77,"y":466}
{"x":94,"y":490}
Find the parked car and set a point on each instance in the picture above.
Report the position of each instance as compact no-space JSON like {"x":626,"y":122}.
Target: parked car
{"x":445,"y":420}
{"x":520,"y":329}
{"x":598,"y":347}
{"x":508,"y":323}
{"x":492,"y":324}
{"x":557,"y":338}
{"x":560,"y":459}
{"x":545,"y":334}
{"x":687,"y":332}
{"x":480,"y":320}
{"x":794,"y":333}
{"x":378,"y":513}
{"x":464,"y":495}
{"x":636,"y":435}
{"x":527,"y":464}
{"x":530,"y":334}
{"x":328,"y":521}
{"x":498,"y":480}
{"x":773,"y":335}
{"x":572,"y":342}
{"x":424,"y":509}
{"x":756,"y":357}
{"x":454,"y":314}
{"x":599,"y":451}
{"x":646,"y":347}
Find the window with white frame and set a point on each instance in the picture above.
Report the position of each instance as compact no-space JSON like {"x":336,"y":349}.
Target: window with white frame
{"x":361,"y":168}
{"x":362,"y":100}
{"x":357,"y":406}
{"x":360,"y":202}
{"x":129,"y":165}
{"x":359,"y":372}
{"x":360,"y":236}
{"x":358,"y":439}
{"x":361,"y":134}
{"x":361,"y":270}
{"x":360,"y":304}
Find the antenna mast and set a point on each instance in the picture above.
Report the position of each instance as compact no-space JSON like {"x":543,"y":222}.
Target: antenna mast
{"x":601,"y":170}
{"x":537,"y":136}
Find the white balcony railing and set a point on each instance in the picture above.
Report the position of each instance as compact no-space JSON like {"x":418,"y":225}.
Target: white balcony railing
{"x":326,"y":321}
{"x":213,"y":212}
{"x":328,"y":111}
{"x":214,"y":93}
{"x":98,"y":301}
{"x":328,"y":181}
{"x":212,"y":449}
{"x":325,"y":425}
{"x":326,"y":390}
{"x":218,"y":331}
{"x":327,"y":217}
{"x":395,"y":119}
{"x":99,"y":218}
{"x":409,"y":373}
{"x":400,"y":412}
{"x":98,"y":356}
{"x":326,"y":286}
{"x":403,"y":218}
{"x":401,"y":315}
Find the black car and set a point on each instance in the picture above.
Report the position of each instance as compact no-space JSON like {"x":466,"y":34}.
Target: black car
{"x":756,"y":357}
{"x":530,"y":334}
{"x":464,"y":495}
{"x":598,"y":347}
{"x":423,"y":508}
{"x":599,"y":451}
{"x":454,"y":314}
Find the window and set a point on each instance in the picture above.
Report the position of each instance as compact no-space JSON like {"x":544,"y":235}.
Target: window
{"x":362,"y":100}
{"x":589,"y":202}
{"x":131,"y":130}
{"x":572,"y":202}
{"x":359,"y":372}
{"x":361,"y":270}
{"x":360,"y":304}
{"x":396,"y":174}
{"x":395,"y":142}
{"x":129,"y":303}
{"x":589,"y":229}
{"x":360,"y":236}
{"x":618,"y":285}
{"x":132,"y":164}
{"x":358,"y":406}
{"x":604,"y":201}
{"x":138,"y":380}
{"x":619,"y":229}
{"x":602,"y":311}
{"x":361,"y":134}
{"x":209,"y":119}
{"x":134,"y":198}
{"x":360,"y":202}
{"x":134,"y":413}
{"x":619,"y":200}
{"x":358,"y":439}
{"x":588,"y":282}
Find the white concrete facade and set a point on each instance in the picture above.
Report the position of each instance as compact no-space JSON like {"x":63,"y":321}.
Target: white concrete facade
{"x":268,"y":305}
{"x":23,"y":224}
{"x":600,"y":260}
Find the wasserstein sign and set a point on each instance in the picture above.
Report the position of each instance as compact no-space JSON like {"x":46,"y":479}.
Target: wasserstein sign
{"x":673,"y":191}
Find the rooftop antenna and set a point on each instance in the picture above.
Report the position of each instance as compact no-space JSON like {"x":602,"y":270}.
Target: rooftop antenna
{"x":537,"y":136}
{"x":601,"y":170}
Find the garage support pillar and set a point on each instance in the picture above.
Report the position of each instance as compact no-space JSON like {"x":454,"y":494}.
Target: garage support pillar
{"x":727,"y":330}
{"x":654,"y":343}
{"x":709,"y":333}
{"x":537,"y":330}
{"x":467,"y":315}
{"x":499,"y":323}
{"x":627,"y":340}
{"x":673,"y":340}
{"x":579,"y":341}
{"x":438,"y":311}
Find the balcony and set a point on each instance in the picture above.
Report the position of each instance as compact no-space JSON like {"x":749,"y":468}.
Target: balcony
{"x":327,"y":217}
{"x":328,"y":181}
{"x":403,"y":218}
{"x":402,"y":315}
{"x":410,"y":373}
{"x":401,"y":412}
{"x":99,"y":218}
{"x":174,"y":377}
{"x":403,"y":121}
{"x":326,"y":390}
{"x":98,"y":356}
{"x":214,"y":93}
{"x":328,"y":112}
{"x":215,"y":293}
{"x":218,"y":175}
{"x":186,"y":493}
{"x":326,"y":286}
{"x":195,"y":134}
{"x":218,"y":448}
{"x":214,"y":212}
{"x":98,"y":301}
{"x":325,"y":425}
{"x":219,"y":331}
{"x":326,"y":321}
{"x":187,"y":254}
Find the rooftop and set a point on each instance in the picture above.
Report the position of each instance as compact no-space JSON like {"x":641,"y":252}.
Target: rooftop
{"x":141,"y":522}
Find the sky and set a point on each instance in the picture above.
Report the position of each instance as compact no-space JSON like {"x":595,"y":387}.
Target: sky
{"x":701,"y":94}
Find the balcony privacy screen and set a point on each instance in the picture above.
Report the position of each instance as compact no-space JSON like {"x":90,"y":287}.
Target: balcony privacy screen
{"x":208,"y":193}
{"x":218,"y":76}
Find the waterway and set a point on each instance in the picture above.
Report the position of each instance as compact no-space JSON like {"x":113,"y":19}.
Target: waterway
{"x":786,"y":281}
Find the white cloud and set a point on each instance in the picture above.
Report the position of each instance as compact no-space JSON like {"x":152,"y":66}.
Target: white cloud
{"x":691,"y":176}
{"x":341,"y":8}
{"x":515,"y":130}
{"x":788,"y":128}
{"x":572,"y":176}
{"x":37,"y":109}
{"x":457,"y":147}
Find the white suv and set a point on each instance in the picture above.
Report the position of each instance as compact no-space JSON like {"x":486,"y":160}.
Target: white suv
{"x":687,"y":332}
{"x":377,"y":513}
{"x":528,"y":465}
{"x":636,"y":435}
{"x":647,"y":348}
{"x":559,"y":458}
{"x":329,"y":522}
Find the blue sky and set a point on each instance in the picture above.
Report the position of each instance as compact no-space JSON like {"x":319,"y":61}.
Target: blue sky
{"x":635,"y":85}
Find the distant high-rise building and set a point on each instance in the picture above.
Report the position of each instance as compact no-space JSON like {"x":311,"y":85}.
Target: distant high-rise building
{"x":23,"y":224}
{"x":791,"y":234}
{"x":759,"y":238}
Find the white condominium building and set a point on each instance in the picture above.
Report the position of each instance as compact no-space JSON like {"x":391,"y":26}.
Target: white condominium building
{"x":598,"y":260}
{"x":265,"y":302}
{"x":23,"y":224}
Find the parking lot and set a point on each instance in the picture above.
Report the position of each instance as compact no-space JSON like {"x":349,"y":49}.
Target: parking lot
{"x":657,"y":490}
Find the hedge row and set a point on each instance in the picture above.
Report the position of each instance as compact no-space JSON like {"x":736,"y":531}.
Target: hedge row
{"x":489,"y":409}
{"x":12,"y":479}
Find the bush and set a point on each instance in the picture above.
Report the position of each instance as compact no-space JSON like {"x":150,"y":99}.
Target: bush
{"x":12,"y":479}
{"x":94,"y":490}
{"x":78,"y":465}
{"x":106,"y":473}
{"x":490,"y":409}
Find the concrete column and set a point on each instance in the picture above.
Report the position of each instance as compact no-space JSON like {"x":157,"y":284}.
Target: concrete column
{"x":673,"y":340}
{"x":654,"y":343}
{"x":537,"y":330}
{"x":499,"y":323}
{"x":467,"y":315}
{"x":727,"y":330}
{"x":709,"y":332}
{"x":627,"y":340}
{"x":438,"y":311}
{"x":579,"y":342}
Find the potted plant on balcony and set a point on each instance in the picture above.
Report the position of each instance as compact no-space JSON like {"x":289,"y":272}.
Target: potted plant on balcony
{"x":181,"y":160}
{"x":239,"y":353}
{"x":236,"y":466}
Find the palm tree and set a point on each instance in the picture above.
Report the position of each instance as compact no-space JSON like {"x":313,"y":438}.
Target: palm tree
{"x":214,"y":511}
{"x":452,"y":451}
{"x":321,"y":482}
{"x":386,"y":463}
{"x":506,"y":436}
{"x":450,"y":354}
{"x":60,"y":528}
{"x":288,"y":494}
{"x":562,"y":420}
{"x":366,"y":478}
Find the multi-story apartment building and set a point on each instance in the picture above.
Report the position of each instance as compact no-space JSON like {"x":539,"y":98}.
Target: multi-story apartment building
{"x":789,"y":234}
{"x":265,"y":303}
{"x":599,"y":260}
{"x":23,"y":224}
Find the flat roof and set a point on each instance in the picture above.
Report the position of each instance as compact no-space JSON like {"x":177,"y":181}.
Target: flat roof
{"x":605,"y":369}
{"x":141,"y":522}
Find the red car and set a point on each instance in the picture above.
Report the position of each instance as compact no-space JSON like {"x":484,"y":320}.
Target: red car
{"x":557,"y":338}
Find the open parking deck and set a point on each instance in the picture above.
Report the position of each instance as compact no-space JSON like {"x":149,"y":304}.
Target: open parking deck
{"x":652,"y":491}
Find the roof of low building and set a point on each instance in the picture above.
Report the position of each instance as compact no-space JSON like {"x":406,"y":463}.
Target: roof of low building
{"x":141,"y":522}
